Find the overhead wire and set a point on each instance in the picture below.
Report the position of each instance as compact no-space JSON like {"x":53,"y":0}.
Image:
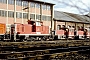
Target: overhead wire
{"x":74,"y":5}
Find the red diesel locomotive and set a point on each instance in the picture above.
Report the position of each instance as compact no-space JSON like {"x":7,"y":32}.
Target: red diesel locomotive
{"x":35,"y":30}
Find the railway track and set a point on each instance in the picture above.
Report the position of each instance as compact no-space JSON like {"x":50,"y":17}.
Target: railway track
{"x":46,"y":42}
{"x":41,"y":50}
{"x":60,"y":56}
{"x":41,"y":54}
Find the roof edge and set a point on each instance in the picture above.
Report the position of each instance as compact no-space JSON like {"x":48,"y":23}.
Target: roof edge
{"x":39,"y":2}
{"x":70,"y":21}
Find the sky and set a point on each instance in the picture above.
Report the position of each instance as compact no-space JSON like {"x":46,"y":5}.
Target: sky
{"x":71,"y":6}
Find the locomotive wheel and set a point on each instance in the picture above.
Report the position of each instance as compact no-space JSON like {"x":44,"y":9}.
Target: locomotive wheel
{"x":44,"y":38}
{"x":32,"y":39}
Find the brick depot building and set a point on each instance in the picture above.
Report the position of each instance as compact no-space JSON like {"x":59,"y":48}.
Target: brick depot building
{"x":19,"y":11}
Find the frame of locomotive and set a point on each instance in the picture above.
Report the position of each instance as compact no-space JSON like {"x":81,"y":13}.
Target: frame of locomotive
{"x":55,"y":34}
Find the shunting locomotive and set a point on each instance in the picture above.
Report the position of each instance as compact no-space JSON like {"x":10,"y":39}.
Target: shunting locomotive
{"x":35,"y":30}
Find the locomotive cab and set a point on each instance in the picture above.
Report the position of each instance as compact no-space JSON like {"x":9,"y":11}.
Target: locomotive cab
{"x":80,"y":32}
{"x":60,"y":32}
{"x":71,"y":32}
{"x":87,"y":30}
{"x":13,"y":33}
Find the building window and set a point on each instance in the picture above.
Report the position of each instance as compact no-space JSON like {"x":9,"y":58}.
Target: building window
{"x":37,"y":5}
{"x":19,"y":2}
{"x":18,"y":15}
{"x":32,"y":16}
{"x":58,"y":27}
{"x":44,"y":17}
{"x":73,"y":26}
{"x":44,"y":7}
{"x":3,"y":1}
{"x":63,"y":26}
{"x":10,"y":14}
{"x":78,"y":27}
{"x":11,"y":2}
{"x":89,"y":27}
{"x":48,"y":7}
{"x":49,"y":18}
{"x":25,"y":15}
{"x":3,"y":13}
{"x":25,"y":3}
{"x":0,"y":13}
{"x":69,"y":26}
{"x":32,"y":4}
{"x":38,"y":17}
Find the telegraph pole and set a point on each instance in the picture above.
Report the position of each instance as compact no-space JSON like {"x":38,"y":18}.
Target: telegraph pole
{"x":52,"y":23}
{"x":14,"y":20}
